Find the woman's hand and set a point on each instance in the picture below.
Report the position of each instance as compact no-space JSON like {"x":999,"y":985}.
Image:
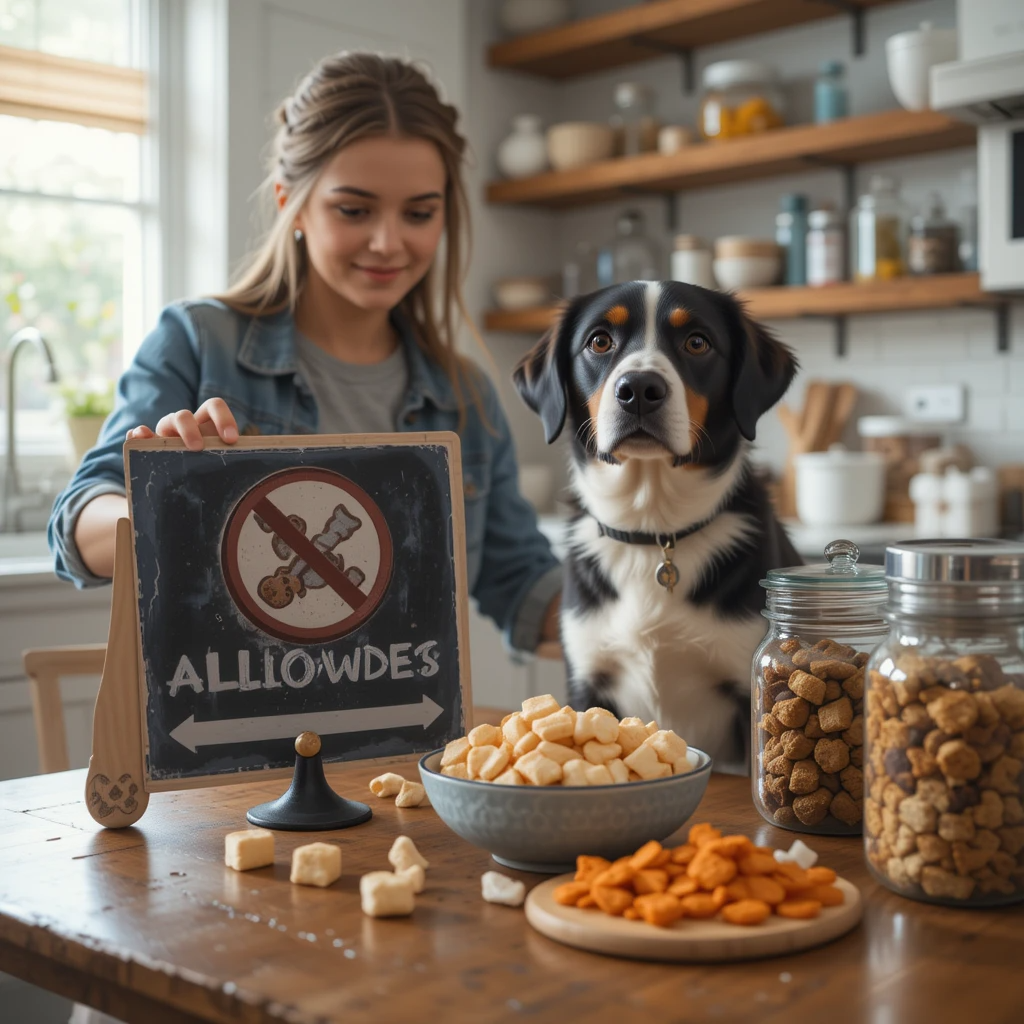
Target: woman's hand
{"x":212,"y":419}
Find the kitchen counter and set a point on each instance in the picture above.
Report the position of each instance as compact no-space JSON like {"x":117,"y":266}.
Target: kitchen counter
{"x":148,"y":924}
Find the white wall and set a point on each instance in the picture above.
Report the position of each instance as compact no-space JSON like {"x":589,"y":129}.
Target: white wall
{"x":885,"y":353}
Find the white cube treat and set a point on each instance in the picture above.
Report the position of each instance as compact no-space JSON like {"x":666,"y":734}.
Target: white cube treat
{"x":316,"y":864}
{"x":799,"y":853}
{"x":632,"y":732}
{"x":384,"y":894}
{"x":558,"y":726}
{"x":514,"y":729}
{"x":600,"y":753}
{"x":498,"y":888}
{"x":248,"y":849}
{"x":455,"y":752}
{"x":596,"y":724}
{"x":539,"y":707}
{"x":388,"y":784}
{"x":644,"y":761}
{"x":667,"y":745}
{"x":509,"y":777}
{"x":416,"y":875}
{"x":539,"y":770}
{"x":617,"y":768}
{"x":598,"y":775}
{"x":403,"y":853}
{"x":456,"y":771}
{"x":412,"y":794}
{"x":530,"y":741}
{"x":556,"y":751}
{"x":574,"y":773}
{"x":485,"y":736}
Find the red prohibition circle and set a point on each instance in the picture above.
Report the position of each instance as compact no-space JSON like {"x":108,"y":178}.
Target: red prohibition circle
{"x":248,"y":604}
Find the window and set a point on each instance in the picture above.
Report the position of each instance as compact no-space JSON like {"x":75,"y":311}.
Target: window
{"x":75,"y":206}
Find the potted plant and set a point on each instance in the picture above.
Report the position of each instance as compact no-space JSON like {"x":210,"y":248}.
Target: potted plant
{"x":86,"y":407}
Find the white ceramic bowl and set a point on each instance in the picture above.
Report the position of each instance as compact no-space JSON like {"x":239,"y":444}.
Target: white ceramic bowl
{"x":519,"y":16}
{"x":578,"y":143}
{"x":840,"y":488}
{"x":909,"y":57}
{"x":521,"y":292}
{"x":545,"y":828}
{"x":733,"y":272}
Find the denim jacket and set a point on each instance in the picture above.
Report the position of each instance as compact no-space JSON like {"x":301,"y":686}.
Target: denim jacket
{"x":203,"y":349}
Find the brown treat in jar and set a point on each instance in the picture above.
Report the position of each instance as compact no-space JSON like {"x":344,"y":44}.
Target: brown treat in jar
{"x":914,"y":864}
{"x":830,"y":780}
{"x":832,"y":649}
{"x":876,"y":786}
{"x":968,"y":859}
{"x":771,"y":725}
{"x":915,"y":737}
{"x":954,"y":712}
{"x":962,"y":797}
{"x":781,"y":766}
{"x":922,"y":764}
{"x":934,"y":740}
{"x":802,"y":659}
{"x":996,"y":746}
{"x":778,"y":787}
{"x":810,"y":687}
{"x":1002,"y":863}
{"x":916,"y":717}
{"x":772,"y":688}
{"x":896,"y":872}
{"x":833,"y":690}
{"x":933,"y":849}
{"x":983,"y":671}
{"x":896,"y":762}
{"x":857,"y":757}
{"x":831,"y":755}
{"x":1011,"y":838}
{"x":934,"y":792}
{"x":985,"y":839}
{"x":804,"y":777}
{"x":783,"y":695}
{"x":845,"y":808}
{"x":890,"y":824}
{"x":790,"y":645}
{"x":833,"y":669}
{"x":837,"y":716}
{"x":1009,"y":702}
{"x":795,"y":745}
{"x":906,"y":689}
{"x":854,"y":735}
{"x":861,"y":658}
{"x":872,"y":817}
{"x":918,"y":814}
{"x":812,"y":808}
{"x":852,"y":780}
{"x":893,"y":733}
{"x":954,"y":827}
{"x":939,"y":883}
{"x":906,"y":841}
{"x":959,"y":762}
{"x":1013,"y":810}
{"x":785,"y":816}
{"x":988,"y":713}
{"x":893,"y":796}
{"x":772,"y":749}
{"x":1015,"y":748}
{"x":854,"y":686}
{"x":1004,"y":775}
{"x":792,"y":713}
{"x":813,"y":729}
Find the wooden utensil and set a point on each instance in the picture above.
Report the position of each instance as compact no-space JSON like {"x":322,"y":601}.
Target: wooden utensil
{"x":688,"y":940}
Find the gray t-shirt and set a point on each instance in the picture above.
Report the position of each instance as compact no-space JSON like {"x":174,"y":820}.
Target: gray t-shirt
{"x":352,"y":398}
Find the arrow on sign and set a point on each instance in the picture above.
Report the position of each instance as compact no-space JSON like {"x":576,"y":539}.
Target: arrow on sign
{"x":194,"y":734}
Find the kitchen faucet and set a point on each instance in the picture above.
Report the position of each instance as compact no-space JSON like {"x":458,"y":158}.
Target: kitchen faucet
{"x":13,"y":499}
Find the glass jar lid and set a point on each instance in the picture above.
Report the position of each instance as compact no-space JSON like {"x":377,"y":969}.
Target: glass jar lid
{"x":838,"y":574}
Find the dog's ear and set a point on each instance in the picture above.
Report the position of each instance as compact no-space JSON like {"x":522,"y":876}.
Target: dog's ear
{"x":542,"y":374}
{"x":762,"y":371}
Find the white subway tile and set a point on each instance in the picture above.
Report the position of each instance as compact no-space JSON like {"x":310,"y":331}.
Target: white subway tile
{"x":1013,"y":410}
{"x":983,"y":380}
{"x":984,"y":413}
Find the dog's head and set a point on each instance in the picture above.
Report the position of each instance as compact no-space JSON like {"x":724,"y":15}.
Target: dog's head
{"x":655,"y":370}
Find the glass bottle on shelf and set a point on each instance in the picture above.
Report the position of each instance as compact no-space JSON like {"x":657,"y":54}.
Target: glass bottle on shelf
{"x":791,"y":236}
{"x":933,"y":241}
{"x":969,"y":219}
{"x":829,"y":93}
{"x":877,"y":232}
{"x":636,"y":127}
{"x":630,"y":255}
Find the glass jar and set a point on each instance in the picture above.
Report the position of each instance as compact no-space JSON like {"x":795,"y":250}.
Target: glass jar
{"x":876,"y":232}
{"x":829,"y":93}
{"x":636,"y":127}
{"x":807,"y":692}
{"x":630,"y":255}
{"x":691,"y":261}
{"x":944,"y":737}
{"x":934,"y":240}
{"x":826,"y":247}
{"x":741,"y":97}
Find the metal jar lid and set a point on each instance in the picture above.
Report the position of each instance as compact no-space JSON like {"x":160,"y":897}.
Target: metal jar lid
{"x":966,"y":578}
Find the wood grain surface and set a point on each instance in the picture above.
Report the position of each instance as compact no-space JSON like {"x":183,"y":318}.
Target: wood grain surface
{"x":148,"y":924}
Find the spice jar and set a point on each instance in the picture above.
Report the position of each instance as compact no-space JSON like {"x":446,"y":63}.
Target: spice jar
{"x":740,"y":97}
{"x":691,"y":261}
{"x":636,"y":128}
{"x":876,"y":232}
{"x":826,"y":247}
{"x":933,"y":241}
{"x":807,"y":692}
{"x":944,"y":736}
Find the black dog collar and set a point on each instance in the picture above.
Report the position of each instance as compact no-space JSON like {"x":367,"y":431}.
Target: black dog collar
{"x":661,"y":540}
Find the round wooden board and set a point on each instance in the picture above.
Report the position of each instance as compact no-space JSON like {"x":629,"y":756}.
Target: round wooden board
{"x":688,"y":939}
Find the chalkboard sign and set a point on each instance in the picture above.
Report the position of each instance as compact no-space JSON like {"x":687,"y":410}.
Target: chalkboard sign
{"x":296,"y":583}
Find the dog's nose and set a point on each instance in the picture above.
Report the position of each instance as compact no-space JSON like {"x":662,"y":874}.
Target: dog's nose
{"x":640,"y":392}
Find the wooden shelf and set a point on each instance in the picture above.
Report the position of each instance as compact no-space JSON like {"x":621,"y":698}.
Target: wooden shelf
{"x":941,"y":291}
{"x":853,"y":140}
{"x":646,"y":30}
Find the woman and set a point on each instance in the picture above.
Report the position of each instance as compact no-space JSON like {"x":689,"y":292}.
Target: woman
{"x":334,"y":326}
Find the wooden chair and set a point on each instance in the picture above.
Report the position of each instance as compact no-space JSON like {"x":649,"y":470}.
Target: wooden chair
{"x":44,"y":667}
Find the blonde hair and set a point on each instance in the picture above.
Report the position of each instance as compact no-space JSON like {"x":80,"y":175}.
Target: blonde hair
{"x":345,"y":98}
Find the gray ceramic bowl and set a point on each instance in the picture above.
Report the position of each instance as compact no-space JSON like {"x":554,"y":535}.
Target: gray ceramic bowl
{"x":544,"y":828}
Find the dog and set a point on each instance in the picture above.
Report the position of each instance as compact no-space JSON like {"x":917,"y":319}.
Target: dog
{"x":662,"y":385}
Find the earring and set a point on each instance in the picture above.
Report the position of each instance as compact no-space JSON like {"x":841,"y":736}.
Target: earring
{"x":298,"y":235}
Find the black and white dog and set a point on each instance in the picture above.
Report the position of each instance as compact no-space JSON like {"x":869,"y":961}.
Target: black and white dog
{"x":662,"y":385}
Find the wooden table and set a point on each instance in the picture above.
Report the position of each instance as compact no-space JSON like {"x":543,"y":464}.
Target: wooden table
{"x":148,"y":924}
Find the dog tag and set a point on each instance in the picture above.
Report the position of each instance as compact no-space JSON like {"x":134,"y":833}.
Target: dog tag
{"x":666,"y":573}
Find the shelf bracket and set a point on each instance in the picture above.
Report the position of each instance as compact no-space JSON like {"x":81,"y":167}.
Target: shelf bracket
{"x":671,"y":213}
{"x":857,"y":13}
{"x":848,"y":171}
{"x":684,"y":53}
{"x":1002,"y":314}
{"x":839,"y":323}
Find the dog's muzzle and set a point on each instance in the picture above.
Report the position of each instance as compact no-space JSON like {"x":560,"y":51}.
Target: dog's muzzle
{"x":641,"y":392}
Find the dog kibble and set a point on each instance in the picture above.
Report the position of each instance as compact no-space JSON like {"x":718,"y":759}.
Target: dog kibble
{"x":810,"y":715}
{"x":940,"y":755}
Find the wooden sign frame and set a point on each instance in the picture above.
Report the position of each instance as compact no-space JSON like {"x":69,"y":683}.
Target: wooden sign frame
{"x":117,"y":782}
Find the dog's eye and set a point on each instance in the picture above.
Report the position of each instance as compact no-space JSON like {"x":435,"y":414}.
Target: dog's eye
{"x":600,"y":343}
{"x":697,"y":345}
